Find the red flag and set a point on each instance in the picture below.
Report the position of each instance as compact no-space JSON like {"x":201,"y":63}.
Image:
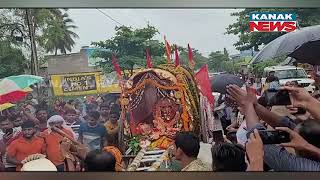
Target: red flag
{"x":191,"y":62}
{"x":168,"y":50}
{"x":177,"y":59}
{"x":116,"y":66}
{"x":149,"y":60}
{"x":204,"y":83}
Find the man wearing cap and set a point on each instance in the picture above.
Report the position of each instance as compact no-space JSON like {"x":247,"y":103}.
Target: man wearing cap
{"x":26,"y":145}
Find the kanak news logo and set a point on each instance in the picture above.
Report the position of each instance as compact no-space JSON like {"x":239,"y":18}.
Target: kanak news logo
{"x":273,"y":22}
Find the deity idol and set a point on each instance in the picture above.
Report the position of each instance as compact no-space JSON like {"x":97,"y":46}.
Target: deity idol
{"x":165,"y":124}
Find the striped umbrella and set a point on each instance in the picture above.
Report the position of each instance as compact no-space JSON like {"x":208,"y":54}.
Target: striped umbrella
{"x":6,"y":106}
{"x":15,"y":88}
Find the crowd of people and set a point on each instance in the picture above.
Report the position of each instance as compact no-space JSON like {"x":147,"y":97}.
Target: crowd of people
{"x":88,"y":131}
{"x":55,"y":130}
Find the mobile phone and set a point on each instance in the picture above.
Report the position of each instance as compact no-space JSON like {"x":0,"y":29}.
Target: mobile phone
{"x":300,"y":111}
{"x":275,"y":97}
{"x":274,"y":137}
{"x":9,"y":131}
{"x":217,"y":136}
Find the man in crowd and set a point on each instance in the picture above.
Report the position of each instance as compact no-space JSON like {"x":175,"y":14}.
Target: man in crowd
{"x":73,"y":121}
{"x":40,"y":119}
{"x":187,"y":147}
{"x":104,"y":113}
{"x":228,"y":157}
{"x":112,"y":143}
{"x":25,"y":146}
{"x":53,"y":140}
{"x":100,"y":161}
{"x":92,"y":133}
{"x":16,"y":120}
{"x":8,"y":134}
{"x":112,"y":125}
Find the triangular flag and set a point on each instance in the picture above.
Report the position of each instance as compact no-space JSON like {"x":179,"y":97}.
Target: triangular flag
{"x":168,"y":50}
{"x":204,"y":83}
{"x":116,"y":66}
{"x":190,"y":54}
{"x":177,"y":58}
{"x":149,"y":60}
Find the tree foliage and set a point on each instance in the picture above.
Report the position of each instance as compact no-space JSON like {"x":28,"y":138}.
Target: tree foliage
{"x":220,"y":61}
{"x":247,"y":39}
{"x":59,"y":35}
{"x":129,"y":46}
{"x":11,"y":59}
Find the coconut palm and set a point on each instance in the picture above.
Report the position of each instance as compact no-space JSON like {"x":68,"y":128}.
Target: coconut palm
{"x":58,"y":36}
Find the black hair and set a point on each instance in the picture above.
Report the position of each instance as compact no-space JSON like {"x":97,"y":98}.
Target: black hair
{"x":94,"y":114}
{"x":3,"y":118}
{"x":100,"y":161}
{"x":41,"y":108}
{"x":228,"y":157}
{"x":112,"y":139}
{"x":28,"y":124}
{"x":13,"y":117}
{"x":188,"y":143}
{"x":115,"y":109}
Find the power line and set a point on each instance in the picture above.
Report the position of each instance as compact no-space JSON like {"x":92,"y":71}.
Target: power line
{"x":110,"y":17}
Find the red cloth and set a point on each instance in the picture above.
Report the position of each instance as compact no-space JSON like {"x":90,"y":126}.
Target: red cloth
{"x":177,"y":58}
{"x":204,"y":84}
{"x":116,"y":65}
{"x":149,"y":60}
{"x":190,"y":54}
{"x":168,"y":50}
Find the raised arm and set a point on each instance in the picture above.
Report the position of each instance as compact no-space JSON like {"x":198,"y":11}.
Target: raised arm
{"x":301,"y":98}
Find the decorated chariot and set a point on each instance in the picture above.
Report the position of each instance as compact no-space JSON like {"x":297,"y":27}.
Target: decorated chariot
{"x":156,"y":104}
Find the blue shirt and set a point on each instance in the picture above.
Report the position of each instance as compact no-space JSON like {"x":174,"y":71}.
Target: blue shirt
{"x":92,"y":137}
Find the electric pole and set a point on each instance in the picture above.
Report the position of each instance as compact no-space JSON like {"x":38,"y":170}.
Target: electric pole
{"x":34,"y":57}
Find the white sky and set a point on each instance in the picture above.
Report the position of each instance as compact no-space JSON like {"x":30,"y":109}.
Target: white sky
{"x":203,"y":28}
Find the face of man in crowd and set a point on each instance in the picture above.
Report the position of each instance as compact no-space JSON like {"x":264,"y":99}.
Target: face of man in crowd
{"x":104,"y":111}
{"x":71,"y":118}
{"x":17,"y":122}
{"x":177,"y":153}
{"x":28,"y":132}
{"x":92,"y":121}
{"x":114,"y":118}
{"x":271,"y":74}
{"x":56,"y":124}
{"x":5,"y":125}
{"x":42,"y":116}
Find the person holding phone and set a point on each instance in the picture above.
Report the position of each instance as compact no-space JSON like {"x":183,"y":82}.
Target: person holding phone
{"x":275,"y":156}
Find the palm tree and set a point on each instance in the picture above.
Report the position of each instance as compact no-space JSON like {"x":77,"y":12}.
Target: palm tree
{"x":58,"y":36}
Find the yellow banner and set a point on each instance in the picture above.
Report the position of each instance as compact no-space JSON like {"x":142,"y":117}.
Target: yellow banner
{"x":82,"y":84}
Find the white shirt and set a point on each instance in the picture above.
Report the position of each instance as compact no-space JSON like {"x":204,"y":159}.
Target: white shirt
{"x":242,"y":134}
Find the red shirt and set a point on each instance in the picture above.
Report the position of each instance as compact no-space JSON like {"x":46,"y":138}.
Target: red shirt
{"x":22,"y":148}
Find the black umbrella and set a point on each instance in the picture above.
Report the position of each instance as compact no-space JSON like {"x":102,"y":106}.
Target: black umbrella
{"x":303,"y":45}
{"x":221,"y":81}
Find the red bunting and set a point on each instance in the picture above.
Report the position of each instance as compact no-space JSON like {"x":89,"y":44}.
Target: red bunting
{"x":149,"y":60}
{"x":190,"y":54}
{"x":168,"y":50}
{"x":177,"y":58}
{"x":204,"y":83}
{"x":116,"y":66}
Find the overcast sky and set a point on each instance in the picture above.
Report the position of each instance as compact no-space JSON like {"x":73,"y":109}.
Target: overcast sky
{"x":203,"y":28}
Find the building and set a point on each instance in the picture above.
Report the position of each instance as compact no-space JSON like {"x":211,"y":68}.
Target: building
{"x":74,"y":74}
